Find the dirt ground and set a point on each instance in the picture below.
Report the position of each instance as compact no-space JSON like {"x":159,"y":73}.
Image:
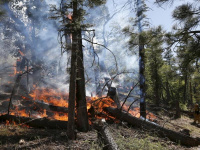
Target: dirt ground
{"x":15,"y":137}
{"x":126,"y":137}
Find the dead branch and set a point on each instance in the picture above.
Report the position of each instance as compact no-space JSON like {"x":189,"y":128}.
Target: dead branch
{"x":132,"y":104}
{"x":128,"y":95}
{"x":16,"y":85}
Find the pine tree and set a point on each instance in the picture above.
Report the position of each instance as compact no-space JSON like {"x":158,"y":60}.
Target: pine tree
{"x":77,"y":79}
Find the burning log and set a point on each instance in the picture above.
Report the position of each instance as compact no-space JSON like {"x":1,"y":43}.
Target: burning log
{"x":163,"y":132}
{"x":40,"y":104}
{"x":105,"y":136}
{"x":36,"y":123}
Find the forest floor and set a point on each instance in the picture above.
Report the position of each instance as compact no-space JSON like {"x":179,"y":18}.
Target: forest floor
{"x":126,"y":137}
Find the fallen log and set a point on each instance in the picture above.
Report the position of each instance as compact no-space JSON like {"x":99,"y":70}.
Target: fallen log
{"x":151,"y":126}
{"x":105,"y":136}
{"x":37,"y":105}
{"x":36,"y":123}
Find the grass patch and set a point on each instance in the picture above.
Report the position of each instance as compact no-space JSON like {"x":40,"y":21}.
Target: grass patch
{"x":131,"y":143}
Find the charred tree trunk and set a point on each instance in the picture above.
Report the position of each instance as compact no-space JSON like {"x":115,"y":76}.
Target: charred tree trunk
{"x":72,"y":86}
{"x":142,"y":82}
{"x":82,"y":115}
{"x":72,"y":94}
{"x":141,"y":61}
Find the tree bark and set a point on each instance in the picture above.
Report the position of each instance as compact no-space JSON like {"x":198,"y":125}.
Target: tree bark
{"x":178,"y":111}
{"x":168,"y":92}
{"x":142,"y":82}
{"x":141,"y":62}
{"x":156,"y":90}
{"x":185,"y":88}
{"x":105,"y":136}
{"x":72,"y":86}
{"x":82,"y":115}
{"x":190,"y":103}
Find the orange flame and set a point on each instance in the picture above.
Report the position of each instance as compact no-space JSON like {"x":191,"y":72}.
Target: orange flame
{"x":69,"y":16}
{"x":60,"y":116}
{"x":50,"y":96}
{"x":21,"y":53}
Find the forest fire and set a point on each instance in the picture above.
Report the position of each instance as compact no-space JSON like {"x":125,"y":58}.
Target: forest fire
{"x":44,"y":102}
{"x":52,"y":97}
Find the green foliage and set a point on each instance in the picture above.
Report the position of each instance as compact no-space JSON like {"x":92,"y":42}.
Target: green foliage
{"x":154,"y":62}
{"x":187,"y":14}
{"x":183,"y":12}
{"x":93,"y":3}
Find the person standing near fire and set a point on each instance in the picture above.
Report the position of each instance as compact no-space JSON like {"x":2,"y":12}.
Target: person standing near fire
{"x":196,"y":113}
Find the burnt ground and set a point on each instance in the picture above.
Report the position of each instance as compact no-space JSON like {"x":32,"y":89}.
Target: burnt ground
{"x":15,"y":137}
{"x":126,"y":137}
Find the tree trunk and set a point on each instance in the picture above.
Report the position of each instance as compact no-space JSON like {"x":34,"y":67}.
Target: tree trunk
{"x":142,"y":82}
{"x":156,"y":90}
{"x":185,"y":88}
{"x":190,"y":103}
{"x":82,"y":115}
{"x":168,"y":93}
{"x":178,"y":112}
{"x":141,"y":62}
{"x":72,"y":86}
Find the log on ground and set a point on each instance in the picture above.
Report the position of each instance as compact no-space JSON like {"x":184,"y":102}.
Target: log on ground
{"x":36,"y":123}
{"x":105,"y":136}
{"x":151,"y":126}
{"x":37,"y":105}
